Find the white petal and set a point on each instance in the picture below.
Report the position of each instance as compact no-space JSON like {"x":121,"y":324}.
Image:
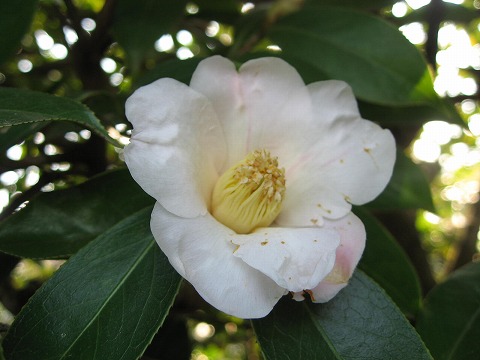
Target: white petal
{"x":296,"y":259}
{"x":177,"y":146}
{"x":265,"y":105}
{"x":352,"y":243}
{"x":349,"y":160}
{"x":201,"y":250}
{"x":326,"y":291}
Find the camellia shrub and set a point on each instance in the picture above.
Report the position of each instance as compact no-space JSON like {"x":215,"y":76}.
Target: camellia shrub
{"x":221,"y":180}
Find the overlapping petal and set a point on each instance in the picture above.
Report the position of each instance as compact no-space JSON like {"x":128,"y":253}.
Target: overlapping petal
{"x":348,"y":254}
{"x":348,"y":160}
{"x":296,"y":259}
{"x":201,"y":250}
{"x":177,"y":145}
{"x":265,"y":105}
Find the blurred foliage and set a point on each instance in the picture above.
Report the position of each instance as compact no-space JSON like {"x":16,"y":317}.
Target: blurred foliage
{"x":66,"y":68}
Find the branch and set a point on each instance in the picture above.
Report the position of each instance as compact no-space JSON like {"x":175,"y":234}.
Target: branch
{"x":41,"y":160}
{"x":435,"y":14}
{"x":467,"y":245}
{"x":18,"y":200}
{"x":104,"y":19}
{"x":75,"y":20}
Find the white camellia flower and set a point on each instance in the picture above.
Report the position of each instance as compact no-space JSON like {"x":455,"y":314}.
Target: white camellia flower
{"x":254,"y":174}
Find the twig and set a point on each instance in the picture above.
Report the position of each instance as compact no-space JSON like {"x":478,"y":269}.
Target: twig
{"x":467,"y":245}
{"x":17,"y":201}
{"x":435,"y":14}
{"x":104,"y":19}
{"x":75,"y":20}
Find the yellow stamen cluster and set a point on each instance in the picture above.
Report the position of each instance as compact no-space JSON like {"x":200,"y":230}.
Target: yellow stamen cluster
{"x":249,"y":194}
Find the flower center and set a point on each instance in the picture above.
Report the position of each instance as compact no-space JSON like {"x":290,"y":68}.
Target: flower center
{"x":249,"y":194}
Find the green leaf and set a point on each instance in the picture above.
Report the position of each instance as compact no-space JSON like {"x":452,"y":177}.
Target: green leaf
{"x":106,"y":302}
{"x":361,"y":322}
{"x":24,"y":106}
{"x":386,"y":115}
{"x":449,"y":12}
{"x":417,"y":114}
{"x":386,"y":263}
{"x":450,"y":320}
{"x":16,"y":18}
{"x":368,"y":53}
{"x":137,"y":28}
{"x":407,"y":189}
{"x":57,"y":224}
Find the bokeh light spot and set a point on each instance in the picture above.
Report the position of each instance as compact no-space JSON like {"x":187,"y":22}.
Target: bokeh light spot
{"x":25,"y":65}
{"x":164,"y":43}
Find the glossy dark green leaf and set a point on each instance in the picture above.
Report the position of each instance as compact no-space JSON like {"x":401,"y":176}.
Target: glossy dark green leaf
{"x":448,"y":12}
{"x":137,"y":28}
{"x":450,"y":320}
{"x":370,"y":54}
{"x":16,"y":18}
{"x":386,"y":115}
{"x":386,"y":263}
{"x":59,"y":223}
{"x":410,"y":115}
{"x":106,"y":302}
{"x":361,"y":322}
{"x":407,"y":189}
{"x":23,"y":106}
{"x":291,"y":331}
